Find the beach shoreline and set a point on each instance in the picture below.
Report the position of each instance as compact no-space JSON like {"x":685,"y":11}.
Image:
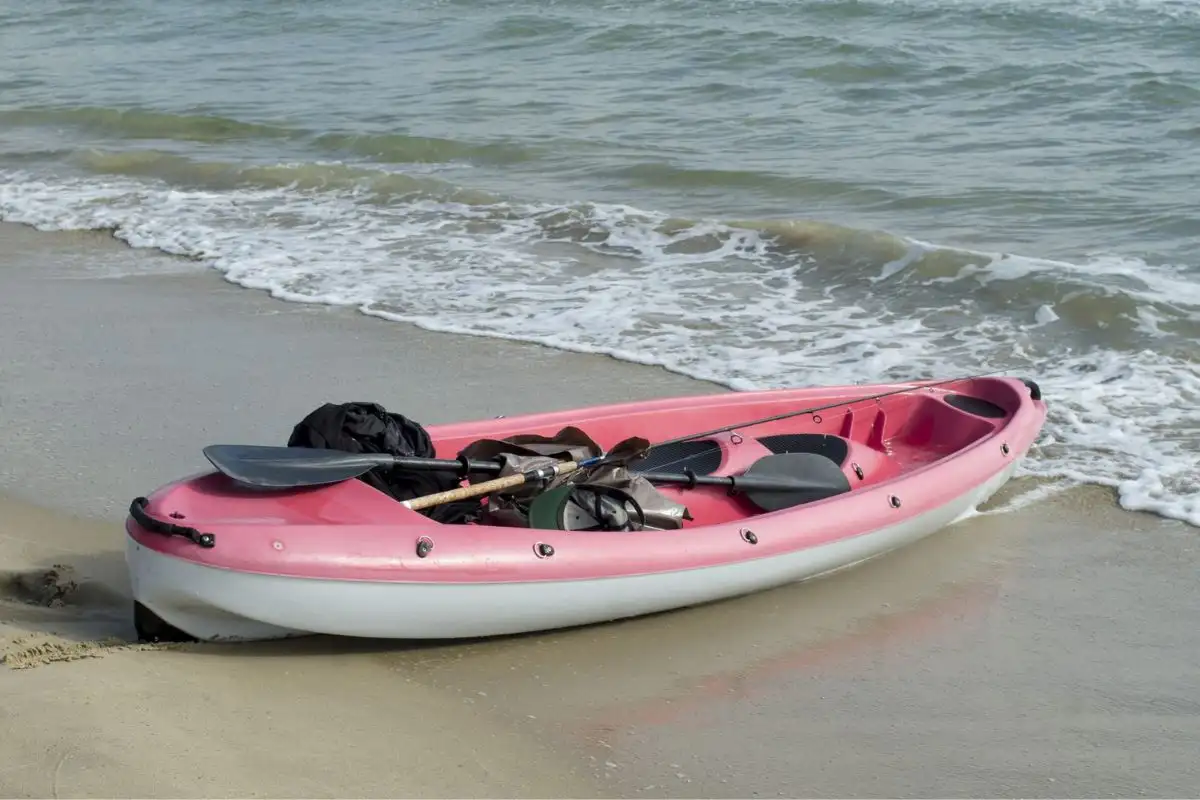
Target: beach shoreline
{"x":864,"y":684}
{"x":129,"y":362}
{"x":176,"y":358}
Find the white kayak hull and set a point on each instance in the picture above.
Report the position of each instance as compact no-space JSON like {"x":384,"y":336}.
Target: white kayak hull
{"x":219,"y":604}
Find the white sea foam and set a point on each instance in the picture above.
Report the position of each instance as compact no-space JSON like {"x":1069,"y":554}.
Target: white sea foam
{"x":706,"y":300}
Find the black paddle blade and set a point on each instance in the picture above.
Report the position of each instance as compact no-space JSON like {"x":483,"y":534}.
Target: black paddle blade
{"x":287,"y":467}
{"x":791,"y":479}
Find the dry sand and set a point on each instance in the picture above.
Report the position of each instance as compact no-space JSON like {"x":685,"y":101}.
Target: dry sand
{"x":1048,"y":650}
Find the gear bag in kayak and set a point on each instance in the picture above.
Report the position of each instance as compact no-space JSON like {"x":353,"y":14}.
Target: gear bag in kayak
{"x":524,"y":452}
{"x":370,"y":428}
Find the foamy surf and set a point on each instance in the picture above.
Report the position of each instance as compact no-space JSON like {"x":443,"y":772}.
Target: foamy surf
{"x":747,"y":305}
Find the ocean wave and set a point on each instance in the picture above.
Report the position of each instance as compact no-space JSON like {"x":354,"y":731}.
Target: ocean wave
{"x":139,"y":124}
{"x":1120,"y":296}
{"x":381,"y":185}
{"x":748,"y":304}
{"x":793,"y":188}
{"x":133,"y":124}
{"x":400,"y":149}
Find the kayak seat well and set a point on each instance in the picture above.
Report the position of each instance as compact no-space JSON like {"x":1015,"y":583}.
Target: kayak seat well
{"x":701,"y":456}
{"x":737,"y":454}
{"x":835,"y":448}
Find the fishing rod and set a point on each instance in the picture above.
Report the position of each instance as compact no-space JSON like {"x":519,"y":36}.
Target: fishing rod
{"x":289,"y":467}
{"x":596,"y":460}
{"x":814,"y":482}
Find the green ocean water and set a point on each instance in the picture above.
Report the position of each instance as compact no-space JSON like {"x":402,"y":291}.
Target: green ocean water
{"x":757,"y":192}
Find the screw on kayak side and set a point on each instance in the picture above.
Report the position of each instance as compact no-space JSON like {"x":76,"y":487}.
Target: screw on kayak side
{"x":749,"y":536}
{"x":895,"y":501}
{"x":857,"y":470}
{"x":424,"y":545}
{"x":543,"y":550}
{"x":1004,"y":448}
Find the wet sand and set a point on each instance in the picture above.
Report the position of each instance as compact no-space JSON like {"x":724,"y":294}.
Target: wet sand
{"x":1046,"y":650}
{"x":1037,"y":653}
{"x":85,"y":717}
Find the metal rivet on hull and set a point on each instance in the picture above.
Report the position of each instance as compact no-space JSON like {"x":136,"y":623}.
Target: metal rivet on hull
{"x":894,"y":501}
{"x":1004,"y":448}
{"x":749,"y":536}
{"x":543,"y":550}
{"x":424,"y":545}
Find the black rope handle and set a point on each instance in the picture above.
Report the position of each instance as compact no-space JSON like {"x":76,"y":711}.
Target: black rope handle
{"x":137,"y":510}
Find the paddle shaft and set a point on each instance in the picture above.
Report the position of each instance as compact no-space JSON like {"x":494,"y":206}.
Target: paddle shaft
{"x":287,"y":467}
{"x":266,"y":470}
{"x":736,"y":483}
{"x":447,"y":464}
{"x":487,"y":487}
{"x":495,"y":466}
{"x":258,"y":465}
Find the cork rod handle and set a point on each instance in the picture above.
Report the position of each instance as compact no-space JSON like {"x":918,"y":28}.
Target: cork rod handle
{"x":487,"y":487}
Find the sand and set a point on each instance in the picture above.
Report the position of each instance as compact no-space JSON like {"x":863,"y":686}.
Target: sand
{"x":118,"y":366}
{"x":1045,"y":648}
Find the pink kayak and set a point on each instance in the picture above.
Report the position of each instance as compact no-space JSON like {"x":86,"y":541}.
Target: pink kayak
{"x":211,"y":558}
